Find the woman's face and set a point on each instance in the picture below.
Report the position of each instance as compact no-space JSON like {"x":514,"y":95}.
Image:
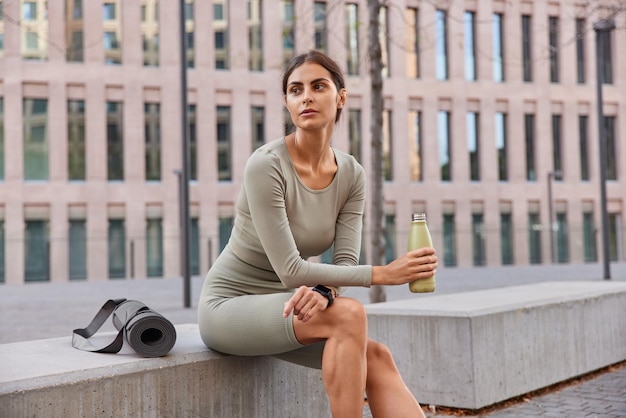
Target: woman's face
{"x":312,"y":98}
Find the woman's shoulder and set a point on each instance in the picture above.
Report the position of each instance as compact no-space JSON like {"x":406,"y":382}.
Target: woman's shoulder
{"x":348,"y":163}
{"x":270,"y":154}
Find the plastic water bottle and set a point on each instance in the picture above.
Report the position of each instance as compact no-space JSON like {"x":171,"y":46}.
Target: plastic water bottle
{"x":419,"y":236}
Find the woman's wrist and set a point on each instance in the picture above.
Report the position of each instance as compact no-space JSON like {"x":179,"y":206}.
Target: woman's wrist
{"x":378,"y":275}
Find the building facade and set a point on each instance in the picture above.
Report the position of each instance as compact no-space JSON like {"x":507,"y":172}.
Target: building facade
{"x":490,"y":127}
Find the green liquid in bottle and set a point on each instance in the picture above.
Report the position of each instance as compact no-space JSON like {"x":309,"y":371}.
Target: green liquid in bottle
{"x":419,"y":237}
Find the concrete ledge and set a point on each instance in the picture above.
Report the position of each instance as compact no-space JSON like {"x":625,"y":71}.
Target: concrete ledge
{"x":474,"y":349}
{"x":50,"y":378}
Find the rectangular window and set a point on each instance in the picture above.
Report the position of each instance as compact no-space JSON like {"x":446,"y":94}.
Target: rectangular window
{"x":1,"y":138}
{"x":411,"y":16}
{"x":478,"y":240}
{"x":415,"y":145}
{"x":506,"y":239}
{"x":501,"y":146}
{"x":580,"y":50}
{"x":534,"y":238}
{"x":117,"y":249}
{"x":33,"y":28}
{"x":288,"y":20}
{"x":352,"y":38}
{"x":553,"y":42}
{"x":154,"y":247}
{"x":221,"y":34}
{"x":76,"y":161}
{"x":152,"y":132}
{"x":557,"y":145}
{"x":190,"y":32}
{"x":562,"y":238}
{"x":473,"y":145}
{"x":383,"y":32}
{"x":527,"y":59}
{"x":150,"y":32}
{"x":583,"y":144}
{"x":78,"y":249}
{"x":115,"y":141}
{"x":74,"y":30}
{"x":449,"y":240}
{"x":193,"y":143}
{"x":615,"y":237}
{"x":589,"y":238}
{"x":441,"y":44}
{"x":258,"y":126}
{"x":354,"y":132}
{"x":607,"y":61}
{"x":194,"y":246}
{"x":611,"y":148}
{"x":36,"y":251}
{"x":529,"y":134}
{"x":469,"y":25}
{"x":390,"y":237}
{"x":255,"y":35}
{"x":387,"y":146}
{"x":36,"y":147}
{"x":444,"y":140}
{"x":225,"y":228}
{"x":112,"y":32}
{"x":224,"y":144}
{"x":498,"y":48}
{"x":321,"y":35}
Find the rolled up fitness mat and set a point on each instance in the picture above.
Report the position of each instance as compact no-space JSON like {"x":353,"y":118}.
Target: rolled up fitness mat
{"x":146,"y":331}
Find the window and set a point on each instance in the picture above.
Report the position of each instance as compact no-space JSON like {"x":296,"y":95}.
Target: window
{"x":74,"y":30}
{"x":583,"y":145}
{"x":478,"y":240}
{"x":221,"y":33}
{"x":150,"y":32}
{"x":29,"y":9}
{"x":580,"y":50}
{"x":255,"y":35}
{"x":354,"y":132}
{"x":36,"y":139}
{"x":352,"y":38}
{"x":78,"y":249}
{"x":441,"y":45}
{"x":443,"y":136}
{"x":607,"y":62}
{"x":527,"y":63}
{"x":411,"y":16}
{"x":152,"y":132}
{"x":109,"y":11}
{"x":390,"y":237}
{"x":506,"y":239}
{"x":115,"y":141}
{"x":470,"y":46}
{"x":589,"y":238}
{"x":194,"y":247}
{"x":224,"y":145}
{"x":473,"y":145}
{"x":258,"y":126}
{"x":501,"y":146}
{"x":225,"y":228}
{"x":76,"y":140}
{"x":189,"y":32}
{"x":449,"y":240}
{"x":1,"y":138}
{"x":33,"y":27}
{"x":529,"y":134}
{"x":2,"y":246}
{"x":383,"y":31}
{"x":387,"y":146}
{"x":557,"y":152}
{"x":321,"y":35}
{"x":288,"y":33}
{"x":415,"y":145}
{"x":154,"y":247}
{"x":611,"y":148}
{"x":534,"y":238}
{"x":615,"y":237}
{"x":562,"y":238}
{"x":193,"y":143}
{"x":112,"y":33}
{"x":553,"y":29}
{"x":117,"y":249}
{"x":36,"y":251}
{"x":498,"y":48}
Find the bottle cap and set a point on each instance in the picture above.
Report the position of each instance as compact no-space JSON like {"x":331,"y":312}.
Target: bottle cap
{"x":419,"y":216}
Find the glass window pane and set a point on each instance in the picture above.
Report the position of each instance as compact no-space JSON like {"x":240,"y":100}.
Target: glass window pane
{"x":112,"y":32}
{"x":443,"y":135}
{"x":255,"y":35}
{"x":470,"y":46}
{"x":415,"y":145}
{"x":580,"y":50}
{"x":74,"y":29}
{"x":288,"y":31}
{"x":115,"y":141}
{"x":225,"y":228}
{"x":36,"y":251}
{"x":501,"y":146}
{"x":154,"y":247}
{"x":387,"y":146}
{"x":553,"y":28}
{"x":150,"y":33}
{"x":117,"y":249}
{"x":589,"y":238}
{"x":1,"y":138}
{"x":221,"y":34}
{"x":36,"y":139}
{"x":506,"y":238}
{"x":441,"y":44}
{"x":354,"y":132}
{"x":224,"y":144}
{"x":78,"y":249}
{"x":527,"y":67}
{"x":449,"y":240}
{"x":562,"y":238}
{"x":194,"y":247}
{"x":473,"y":145}
{"x":152,"y":131}
{"x":498,"y":48}
{"x":390,"y":237}
{"x":412,"y":43}
{"x":193,"y":143}
{"x":478,"y":240}
{"x":583,"y":138}
{"x":258,"y":126}
{"x":529,"y":127}
{"x":534,"y":238}
{"x":76,"y":139}
{"x":319,"y":13}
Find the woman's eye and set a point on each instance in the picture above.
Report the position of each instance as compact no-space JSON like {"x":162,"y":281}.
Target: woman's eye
{"x":319,"y":86}
{"x":295,"y":90}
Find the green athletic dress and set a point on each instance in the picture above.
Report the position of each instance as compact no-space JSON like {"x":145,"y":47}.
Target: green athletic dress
{"x":280,"y":223}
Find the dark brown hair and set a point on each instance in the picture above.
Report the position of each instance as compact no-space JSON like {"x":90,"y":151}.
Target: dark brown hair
{"x":319,"y":58}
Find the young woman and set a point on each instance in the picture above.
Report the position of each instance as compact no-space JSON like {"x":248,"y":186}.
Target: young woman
{"x":299,"y":197}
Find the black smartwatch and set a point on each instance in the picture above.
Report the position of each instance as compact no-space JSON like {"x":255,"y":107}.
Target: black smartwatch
{"x":326,"y":292}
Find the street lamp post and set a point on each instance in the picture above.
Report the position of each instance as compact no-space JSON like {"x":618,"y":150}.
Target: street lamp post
{"x":551,"y":175}
{"x":603,"y":28}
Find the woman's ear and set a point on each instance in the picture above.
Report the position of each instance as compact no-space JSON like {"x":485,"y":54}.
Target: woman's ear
{"x":343,"y":95}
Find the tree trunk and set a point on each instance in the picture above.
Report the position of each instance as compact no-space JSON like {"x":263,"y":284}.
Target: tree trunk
{"x":377,"y":247}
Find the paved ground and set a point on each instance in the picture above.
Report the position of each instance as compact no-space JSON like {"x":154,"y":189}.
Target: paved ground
{"x":45,"y":310}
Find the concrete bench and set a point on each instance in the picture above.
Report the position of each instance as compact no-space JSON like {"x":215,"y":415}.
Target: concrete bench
{"x":50,"y":378}
{"x":474,"y":349}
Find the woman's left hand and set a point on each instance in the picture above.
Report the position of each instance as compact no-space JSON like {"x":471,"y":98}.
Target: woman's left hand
{"x":305,"y":303}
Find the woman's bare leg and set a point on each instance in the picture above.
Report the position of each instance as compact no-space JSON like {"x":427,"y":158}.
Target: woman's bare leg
{"x":387,"y":394}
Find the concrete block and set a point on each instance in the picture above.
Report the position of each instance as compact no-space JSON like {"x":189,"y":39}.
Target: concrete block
{"x":50,"y":378}
{"x":474,"y":349}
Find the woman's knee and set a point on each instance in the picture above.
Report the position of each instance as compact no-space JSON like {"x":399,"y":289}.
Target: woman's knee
{"x":350,"y":314}
{"x":378,"y":354}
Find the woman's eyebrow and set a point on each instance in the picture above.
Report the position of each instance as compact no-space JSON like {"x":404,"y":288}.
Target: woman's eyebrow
{"x":300,"y":83}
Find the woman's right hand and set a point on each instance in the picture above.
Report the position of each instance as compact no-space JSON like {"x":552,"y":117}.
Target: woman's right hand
{"x":414,"y":265}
